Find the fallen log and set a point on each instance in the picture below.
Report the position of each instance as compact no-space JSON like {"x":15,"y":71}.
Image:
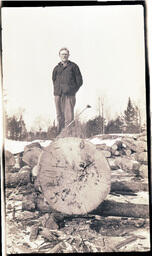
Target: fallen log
{"x":17,"y":179}
{"x":125,"y":163}
{"x":112,"y":208}
{"x":31,"y":156}
{"x":74,"y":176}
{"x":26,"y":215}
{"x":126,"y":241}
{"x":31,"y":146}
{"x":135,"y":145}
{"x":103,"y":147}
{"x":128,"y":186}
{"x":9,"y":160}
{"x":117,"y":226}
{"x":143,"y":171}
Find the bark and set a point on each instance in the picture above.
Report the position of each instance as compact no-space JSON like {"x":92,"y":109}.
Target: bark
{"x":9,"y":159}
{"x":31,"y":156}
{"x":126,"y":163}
{"x":112,"y":208}
{"x":116,"y":226}
{"x":31,"y":146}
{"x":128,"y":186}
{"x":15,"y":179}
{"x":135,"y":145}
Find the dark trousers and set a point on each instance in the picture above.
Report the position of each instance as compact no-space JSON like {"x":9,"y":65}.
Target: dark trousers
{"x":64,"y":110}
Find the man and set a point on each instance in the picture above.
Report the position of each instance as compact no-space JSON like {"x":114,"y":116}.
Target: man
{"x":67,"y":80}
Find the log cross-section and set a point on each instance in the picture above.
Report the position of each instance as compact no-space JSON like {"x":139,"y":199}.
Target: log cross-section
{"x":74,"y":175}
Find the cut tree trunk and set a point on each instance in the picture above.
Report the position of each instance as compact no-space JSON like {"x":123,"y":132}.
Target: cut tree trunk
{"x":9,"y":160}
{"x":128,"y":186}
{"x":74,"y":176}
{"x":31,"y":156}
{"x":112,"y":208}
{"x":20,"y":178}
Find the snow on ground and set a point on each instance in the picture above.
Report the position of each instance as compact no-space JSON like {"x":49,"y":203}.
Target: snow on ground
{"x":16,"y":147}
{"x":108,"y":142}
{"x":120,"y":134}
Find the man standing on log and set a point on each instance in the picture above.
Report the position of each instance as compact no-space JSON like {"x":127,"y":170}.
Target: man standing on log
{"x":67,"y":80}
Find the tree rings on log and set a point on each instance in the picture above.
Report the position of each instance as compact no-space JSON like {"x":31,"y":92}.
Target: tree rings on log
{"x":74,"y":176}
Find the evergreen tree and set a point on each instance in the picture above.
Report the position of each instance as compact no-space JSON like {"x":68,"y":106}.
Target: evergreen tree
{"x":132,"y":118}
{"x":15,"y":127}
{"x":115,"y":126}
{"x":95,"y":126}
{"x":129,"y":114}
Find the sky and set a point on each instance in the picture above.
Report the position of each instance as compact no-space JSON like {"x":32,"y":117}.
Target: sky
{"x":107,"y":43}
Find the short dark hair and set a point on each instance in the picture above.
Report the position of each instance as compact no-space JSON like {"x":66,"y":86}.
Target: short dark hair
{"x":64,"y":48}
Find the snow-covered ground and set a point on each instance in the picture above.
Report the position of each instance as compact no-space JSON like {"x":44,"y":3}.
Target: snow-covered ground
{"x":16,"y":147}
{"x":108,"y":142}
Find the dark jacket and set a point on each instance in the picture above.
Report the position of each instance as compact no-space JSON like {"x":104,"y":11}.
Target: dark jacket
{"x":66,"y":80}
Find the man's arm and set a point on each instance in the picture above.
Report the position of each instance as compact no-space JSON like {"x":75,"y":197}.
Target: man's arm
{"x":78,"y":76}
{"x":54,"y":73}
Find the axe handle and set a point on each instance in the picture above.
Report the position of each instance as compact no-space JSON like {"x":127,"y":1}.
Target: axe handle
{"x":74,"y":119}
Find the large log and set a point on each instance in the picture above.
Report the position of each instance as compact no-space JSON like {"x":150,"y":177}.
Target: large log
{"x":116,"y":226}
{"x":112,"y":208}
{"x":31,"y":156}
{"x":16,"y":179}
{"x":128,"y":186}
{"x":135,"y":145}
{"x":9,"y":160}
{"x":74,"y":175}
{"x":31,"y":146}
{"x":125,"y":163}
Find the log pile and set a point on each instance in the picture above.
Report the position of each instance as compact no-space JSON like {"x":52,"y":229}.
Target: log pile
{"x":128,"y":153}
{"x":54,"y":230}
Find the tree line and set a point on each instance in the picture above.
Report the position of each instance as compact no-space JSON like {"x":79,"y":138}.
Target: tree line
{"x":128,"y":122}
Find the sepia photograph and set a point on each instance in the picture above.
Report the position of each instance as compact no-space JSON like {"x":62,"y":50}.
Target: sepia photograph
{"x":75,"y":176}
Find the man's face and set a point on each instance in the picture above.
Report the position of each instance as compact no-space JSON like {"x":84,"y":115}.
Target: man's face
{"x":64,"y":55}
